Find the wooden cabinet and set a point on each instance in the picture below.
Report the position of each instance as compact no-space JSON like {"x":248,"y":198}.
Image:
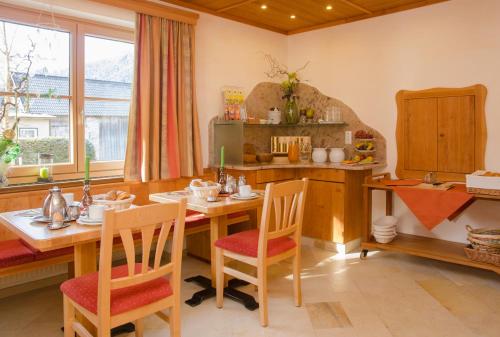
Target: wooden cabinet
{"x":441,"y":130}
{"x":324,"y":211}
{"x":333,"y":210}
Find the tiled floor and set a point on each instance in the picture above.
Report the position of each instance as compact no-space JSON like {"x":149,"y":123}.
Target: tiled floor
{"x":386,"y":295}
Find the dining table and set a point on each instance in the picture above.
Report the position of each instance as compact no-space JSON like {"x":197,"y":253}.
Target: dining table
{"x":217,"y":211}
{"x":83,"y":239}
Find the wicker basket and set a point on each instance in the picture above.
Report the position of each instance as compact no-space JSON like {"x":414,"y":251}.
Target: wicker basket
{"x":486,"y":191}
{"x":100,"y":199}
{"x":484,"y":239}
{"x":482,"y":256}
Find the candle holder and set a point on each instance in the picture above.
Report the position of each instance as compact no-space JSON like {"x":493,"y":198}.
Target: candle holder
{"x":221,"y":177}
{"x":45,"y":163}
{"x":87,"y":197}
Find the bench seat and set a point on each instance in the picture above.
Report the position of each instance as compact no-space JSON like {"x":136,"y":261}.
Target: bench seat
{"x":18,"y":256}
{"x":14,"y":252}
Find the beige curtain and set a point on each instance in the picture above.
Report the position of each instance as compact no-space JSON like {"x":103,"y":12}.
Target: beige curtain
{"x":163,"y":131}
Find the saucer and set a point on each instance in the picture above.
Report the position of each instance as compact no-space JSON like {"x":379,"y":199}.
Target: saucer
{"x":252,"y":195}
{"x":88,"y":222}
{"x":44,"y":219}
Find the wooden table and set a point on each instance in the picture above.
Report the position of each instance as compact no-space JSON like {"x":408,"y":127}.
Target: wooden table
{"x":431,"y":248}
{"x":217,"y":212}
{"x":82,"y":238}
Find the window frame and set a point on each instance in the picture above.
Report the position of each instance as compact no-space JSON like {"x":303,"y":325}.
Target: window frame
{"x":78,"y":29}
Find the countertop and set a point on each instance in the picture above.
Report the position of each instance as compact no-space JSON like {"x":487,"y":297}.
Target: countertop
{"x":260,"y":166}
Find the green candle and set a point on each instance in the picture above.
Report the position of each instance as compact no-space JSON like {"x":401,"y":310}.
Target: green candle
{"x":87,"y":168}
{"x":222,"y":156}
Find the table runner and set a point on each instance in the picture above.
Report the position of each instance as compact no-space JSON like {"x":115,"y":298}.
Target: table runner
{"x":432,"y":207}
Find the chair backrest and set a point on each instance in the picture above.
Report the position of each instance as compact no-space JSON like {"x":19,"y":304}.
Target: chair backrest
{"x":287,"y":201}
{"x":144,"y":220}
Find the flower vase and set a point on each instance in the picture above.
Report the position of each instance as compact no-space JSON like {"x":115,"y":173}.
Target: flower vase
{"x":291,"y":111}
{"x":4,"y":170}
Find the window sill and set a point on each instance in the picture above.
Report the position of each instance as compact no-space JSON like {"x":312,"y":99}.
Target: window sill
{"x":28,"y":187}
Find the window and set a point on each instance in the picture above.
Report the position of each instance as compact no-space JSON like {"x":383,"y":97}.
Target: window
{"x":108,"y":84}
{"x":28,"y":133}
{"x":68,"y":85}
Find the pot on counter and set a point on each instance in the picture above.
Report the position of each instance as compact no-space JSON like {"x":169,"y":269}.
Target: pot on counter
{"x":337,"y":154}
{"x":319,"y":155}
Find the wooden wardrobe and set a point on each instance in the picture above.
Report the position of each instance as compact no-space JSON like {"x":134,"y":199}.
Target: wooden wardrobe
{"x":441,"y":130}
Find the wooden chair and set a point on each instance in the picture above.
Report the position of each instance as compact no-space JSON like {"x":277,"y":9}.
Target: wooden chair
{"x":266,"y":246}
{"x":115,"y":296}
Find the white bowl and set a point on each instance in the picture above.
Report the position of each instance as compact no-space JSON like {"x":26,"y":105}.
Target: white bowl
{"x":383,"y":239}
{"x":99,"y":199}
{"x":384,"y":231}
{"x":386,"y":221}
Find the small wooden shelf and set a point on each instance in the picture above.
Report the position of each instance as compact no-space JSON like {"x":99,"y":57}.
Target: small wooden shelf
{"x":281,"y":125}
{"x":430,"y":248}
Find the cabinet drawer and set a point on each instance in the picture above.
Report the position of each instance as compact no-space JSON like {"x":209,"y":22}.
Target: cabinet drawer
{"x":267,"y":176}
{"x":327,"y":174}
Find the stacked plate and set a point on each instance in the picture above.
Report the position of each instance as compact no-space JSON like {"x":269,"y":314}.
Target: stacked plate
{"x":384,"y":229}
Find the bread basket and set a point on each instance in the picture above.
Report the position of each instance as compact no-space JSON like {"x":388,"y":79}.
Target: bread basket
{"x":203,"y":192}
{"x":100,"y":199}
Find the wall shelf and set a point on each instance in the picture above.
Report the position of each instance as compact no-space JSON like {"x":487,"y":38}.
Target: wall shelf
{"x":303,"y":125}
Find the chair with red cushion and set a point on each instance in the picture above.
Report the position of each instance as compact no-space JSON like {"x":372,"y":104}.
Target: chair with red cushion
{"x":128,"y":293}
{"x":267,"y":245}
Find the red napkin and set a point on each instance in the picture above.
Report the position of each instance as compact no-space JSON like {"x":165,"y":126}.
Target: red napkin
{"x":431,"y":207}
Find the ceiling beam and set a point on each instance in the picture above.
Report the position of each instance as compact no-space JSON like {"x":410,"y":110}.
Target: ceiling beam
{"x":358,"y":7}
{"x":238,"y":4}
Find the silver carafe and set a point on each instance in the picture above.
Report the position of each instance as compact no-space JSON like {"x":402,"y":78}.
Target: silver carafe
{"x":55,"y":203}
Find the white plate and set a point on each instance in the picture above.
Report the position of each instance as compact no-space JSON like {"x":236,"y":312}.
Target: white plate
{"x":88,"y":222}
{"x":252,"y":195}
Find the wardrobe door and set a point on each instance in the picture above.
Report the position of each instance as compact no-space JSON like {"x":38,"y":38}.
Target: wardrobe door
{"x":456,"y":134}
{"x":420,"y":128}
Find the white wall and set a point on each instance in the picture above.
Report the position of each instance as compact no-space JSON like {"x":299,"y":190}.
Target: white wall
{"x":365,"y":63}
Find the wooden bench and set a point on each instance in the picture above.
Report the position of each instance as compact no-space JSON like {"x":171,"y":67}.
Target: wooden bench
{"x":17,"y":256}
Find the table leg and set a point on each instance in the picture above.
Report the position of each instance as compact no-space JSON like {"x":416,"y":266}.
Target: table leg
{"x":218,"y":228}
{"x":367,"y":212}
{"x":85,"y":263}
{"x":388,"y":202}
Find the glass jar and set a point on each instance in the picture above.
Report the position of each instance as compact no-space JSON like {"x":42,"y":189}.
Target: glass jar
{"x":45,"y":164}
{"x":293,"y":152}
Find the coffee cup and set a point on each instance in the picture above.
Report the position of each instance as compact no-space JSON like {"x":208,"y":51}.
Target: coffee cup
{"x":69,"y":198}
{"x":96,"y":212}
{"x":245,"y":191}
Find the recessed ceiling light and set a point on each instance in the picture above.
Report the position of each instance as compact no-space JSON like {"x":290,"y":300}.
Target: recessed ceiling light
{"x":329,"y":7}
{"x":264,"y":6}
{"x":292,"y":16}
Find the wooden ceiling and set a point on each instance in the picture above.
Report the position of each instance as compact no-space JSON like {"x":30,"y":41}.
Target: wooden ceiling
{"x":308,"y":14}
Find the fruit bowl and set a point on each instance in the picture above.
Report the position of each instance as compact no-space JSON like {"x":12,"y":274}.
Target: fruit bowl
{"x":264,"y":157}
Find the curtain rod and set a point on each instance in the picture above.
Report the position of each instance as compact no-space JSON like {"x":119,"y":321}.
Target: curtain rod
{"x":154,"y":9}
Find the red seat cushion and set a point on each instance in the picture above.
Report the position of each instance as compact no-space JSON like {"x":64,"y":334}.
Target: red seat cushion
{"x":83,"y":290}
{"x":39,"y":255}
{"x":14,"y":252}
{"x":247,"y":242}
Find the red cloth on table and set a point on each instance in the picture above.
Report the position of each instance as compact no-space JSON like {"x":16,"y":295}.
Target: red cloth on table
{"x":431,"y":207}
